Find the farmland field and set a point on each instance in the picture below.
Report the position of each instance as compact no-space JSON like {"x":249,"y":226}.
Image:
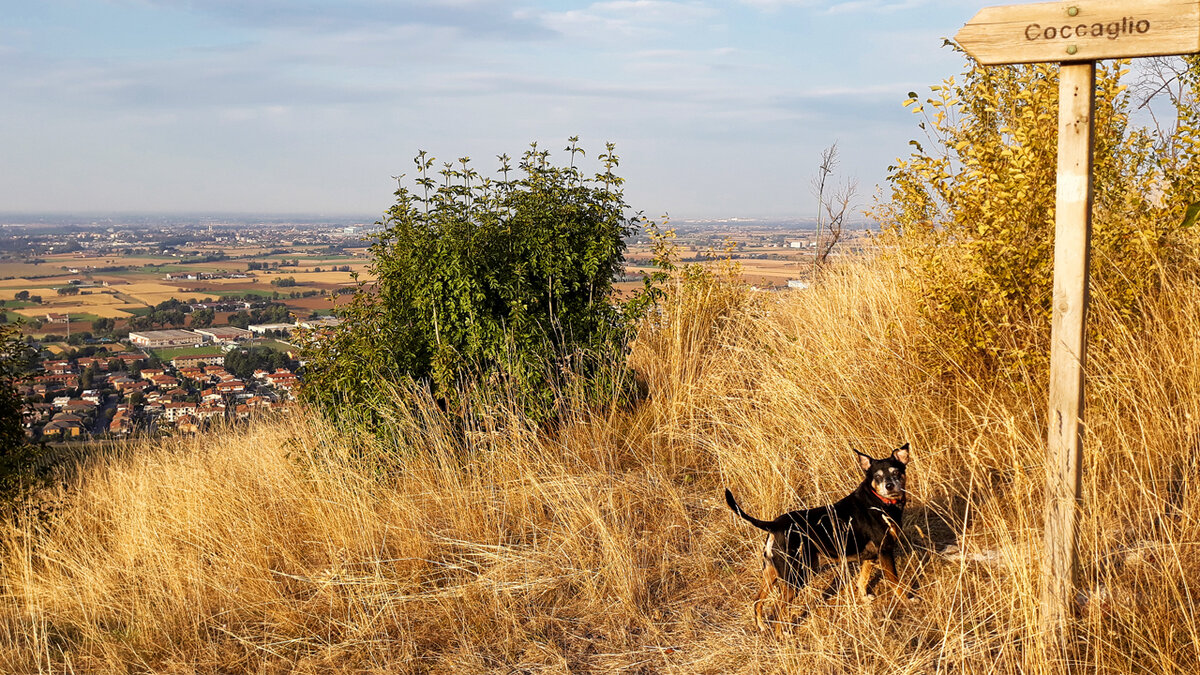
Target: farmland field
{"x":106,"y":311}
{"x":238,"y":292}
{"x":776,"y":268}
{"x":151,"y":293}
{"x":112,"y":311}
{"x":136,"y":284}
{"x":320,"y":277}
{"x":223,"y":282}
{"x":277,"y":345}
{"x":84,"y":298}
{"x":317,"y":302}
{"x":19,"y":284}
{"x":22,"y":269}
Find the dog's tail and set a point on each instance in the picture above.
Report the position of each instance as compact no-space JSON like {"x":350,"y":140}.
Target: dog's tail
{"x":760,"y":524}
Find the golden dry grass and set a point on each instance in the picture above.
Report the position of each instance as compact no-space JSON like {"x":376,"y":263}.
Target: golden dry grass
{"x":604,"y":545}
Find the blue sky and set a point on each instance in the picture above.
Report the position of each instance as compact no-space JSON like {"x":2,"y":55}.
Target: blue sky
{"x":719,"y":108}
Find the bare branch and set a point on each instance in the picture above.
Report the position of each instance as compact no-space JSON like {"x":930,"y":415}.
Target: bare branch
{"x":835,"y":212}
{"x":831,"y":212}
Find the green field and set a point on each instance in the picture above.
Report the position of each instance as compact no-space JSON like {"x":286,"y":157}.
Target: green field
{"x":155,"y":272}
{"x":168,"y":354}
{"x":276,"y":345}
{"x":241,"y":292}
{"x":339,"y":259}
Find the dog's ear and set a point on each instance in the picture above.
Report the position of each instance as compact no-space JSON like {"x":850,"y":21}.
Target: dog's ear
{"x":901,"y":454}
{"x":863,"y":460}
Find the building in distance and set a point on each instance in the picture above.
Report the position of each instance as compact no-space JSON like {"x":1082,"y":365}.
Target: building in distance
{"x":197,"y":360}
{"x":322,"y":322}
{"x":224,"y":334}
{"x":265,"y":328}
{"x":166,"y":338}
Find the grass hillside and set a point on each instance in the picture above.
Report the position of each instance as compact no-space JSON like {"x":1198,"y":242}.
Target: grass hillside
{"x":604,"y":544}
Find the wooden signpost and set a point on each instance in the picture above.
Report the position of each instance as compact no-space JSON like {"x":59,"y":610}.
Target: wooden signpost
{"x":1076,"y":34}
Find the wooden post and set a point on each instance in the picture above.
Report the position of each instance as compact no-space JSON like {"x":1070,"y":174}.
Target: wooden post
{"x":1068,"y":348}
{"x":1077,"y":34}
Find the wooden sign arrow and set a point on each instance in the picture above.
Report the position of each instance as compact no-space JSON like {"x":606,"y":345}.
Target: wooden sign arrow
{"x":1084,"y":30}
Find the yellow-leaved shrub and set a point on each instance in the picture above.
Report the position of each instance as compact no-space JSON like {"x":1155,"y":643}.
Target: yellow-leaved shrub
{"x":972,"y":208}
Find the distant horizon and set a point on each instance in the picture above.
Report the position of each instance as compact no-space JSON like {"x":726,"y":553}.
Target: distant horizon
{"x":197,"y":218}
{"x":7,"y":216}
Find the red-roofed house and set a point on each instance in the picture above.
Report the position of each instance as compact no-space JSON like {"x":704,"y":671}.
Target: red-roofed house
{"x":172,"y":411}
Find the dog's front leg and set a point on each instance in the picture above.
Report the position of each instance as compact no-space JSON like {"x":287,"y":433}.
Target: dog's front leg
{"x":887,"y":563}
{"x":864,"y":577}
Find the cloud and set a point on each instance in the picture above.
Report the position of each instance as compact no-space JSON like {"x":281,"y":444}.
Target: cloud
{"x":188,"y":84}
{"x":840,"y":6}
{"x":874,"y":6}
{"x":627,"y":19}
{"x":771,"y":5}
{"x":475,"y":18}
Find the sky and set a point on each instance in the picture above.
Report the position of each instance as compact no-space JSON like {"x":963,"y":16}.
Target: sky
{"x":718,"y":108}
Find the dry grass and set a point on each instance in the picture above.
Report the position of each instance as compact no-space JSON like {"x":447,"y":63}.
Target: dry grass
{"x":604,"y":545}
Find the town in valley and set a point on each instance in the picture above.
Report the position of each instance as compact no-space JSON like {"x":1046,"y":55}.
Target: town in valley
{"x":149,"y":325}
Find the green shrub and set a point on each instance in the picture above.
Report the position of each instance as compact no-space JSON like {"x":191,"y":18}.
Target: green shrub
{"x":19,"y":472}
{"x":504,"y":282}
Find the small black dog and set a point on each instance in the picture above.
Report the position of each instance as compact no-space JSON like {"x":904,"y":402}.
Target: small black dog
{"x":864,"y":525}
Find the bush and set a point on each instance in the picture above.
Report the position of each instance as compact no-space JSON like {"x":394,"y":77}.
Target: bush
{"x":505,"y":282}
{"x":974,"y":211}
{"x":18,"y":472}
{"x":12,"y":349}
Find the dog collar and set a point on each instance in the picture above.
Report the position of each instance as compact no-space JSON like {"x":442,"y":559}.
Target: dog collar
{"x":885,"y":500}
